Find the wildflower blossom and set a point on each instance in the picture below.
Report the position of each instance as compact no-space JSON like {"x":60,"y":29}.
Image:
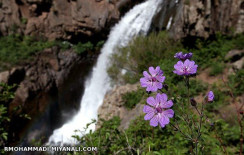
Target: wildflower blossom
{"x":210,"y":96}
{"x":182,"y":56}
{"x":186,"y":68}
{"x":154,"y":81}
{"x":158,"y":111}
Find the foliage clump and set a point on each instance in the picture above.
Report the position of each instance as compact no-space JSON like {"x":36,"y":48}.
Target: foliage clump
{"x":130,"y":99}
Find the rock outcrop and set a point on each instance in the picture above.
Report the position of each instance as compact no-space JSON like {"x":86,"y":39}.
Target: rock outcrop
{"x":53,"y":79}
{"x":72,"y":19}
{"x":113,"y":106}
{"x":201,"y":18}
{"x":59,"y":19}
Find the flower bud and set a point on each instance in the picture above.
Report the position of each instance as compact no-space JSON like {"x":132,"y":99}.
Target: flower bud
{"x":193,"y":102}
{"x":166,"y":87}
{"x":241,"y":112}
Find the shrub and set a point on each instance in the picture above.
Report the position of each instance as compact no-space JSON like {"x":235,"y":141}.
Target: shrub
{"x":236,"y":82}
{"x":130,"y":99}
{"x":15,"y":49}
{"x":6,"y":94}
{"x":214,"y":50}
{"x":82,"y":47}
{"x":141,"y":53}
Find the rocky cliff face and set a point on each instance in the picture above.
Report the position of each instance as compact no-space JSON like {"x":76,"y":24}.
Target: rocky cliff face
{"x":72,"y":19}
{"x":49,"y":87}
{"x":59,"y":19}
{"x":201,"y":18}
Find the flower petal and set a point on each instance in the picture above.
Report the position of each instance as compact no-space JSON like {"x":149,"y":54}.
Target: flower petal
{"x":144,"y":82}
{"x":160,"y":78}
{"x":151,"y":101}
{"x":168,"y":113}
{"x":179,"y":65}
{"x":158,"y":85}
{"x":187,"y":62}
{"x":147,"y":109}
{"x":152,"y":71}
{"x":145,"y":73}
{"x":149,"y":115}
{"x":166,"y":104}
{"x":157,"y":70}
{"x":154,"y":87}
{"x":163,"y":98}
{"x":154,"y":121}
{"x":163,"y":120}
{"x":149,"y":88}
{"x":162,"y":125}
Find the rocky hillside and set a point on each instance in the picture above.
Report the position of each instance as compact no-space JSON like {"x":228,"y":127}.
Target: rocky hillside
{"x":59,"y":19}
{"x":79,"y":19}
{"x":201,"y":18}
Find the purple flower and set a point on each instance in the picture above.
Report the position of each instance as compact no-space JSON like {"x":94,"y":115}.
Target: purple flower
{"x":154,"y":81}
{"x":186,"y":68}
{"x":157,"y":111}
{"x":182,"y":56}
{"x":210,"y":96}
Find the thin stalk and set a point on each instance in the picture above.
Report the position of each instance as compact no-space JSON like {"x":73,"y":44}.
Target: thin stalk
{"x":178,"y":129}
{"x":188,"y":98}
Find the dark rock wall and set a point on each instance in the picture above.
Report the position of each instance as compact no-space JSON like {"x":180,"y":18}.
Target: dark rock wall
{"x":202,"y":18}
{"x":49,"y":87}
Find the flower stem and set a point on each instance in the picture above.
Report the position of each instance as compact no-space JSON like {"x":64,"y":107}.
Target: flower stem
{"x":178,"y":129}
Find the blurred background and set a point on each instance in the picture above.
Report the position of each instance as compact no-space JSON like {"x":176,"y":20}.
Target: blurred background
{"x":51,"y":50}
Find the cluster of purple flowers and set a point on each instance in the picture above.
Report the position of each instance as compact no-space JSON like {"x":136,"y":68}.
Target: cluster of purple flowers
{"x":187,"y":67}
{"x":158,"y":109}
{"x":182,"y":56}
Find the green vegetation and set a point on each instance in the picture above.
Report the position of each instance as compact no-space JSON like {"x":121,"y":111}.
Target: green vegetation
{"x":6,"y":94}
{"x":142,"y":53}
{"x":80,"y":48}
{"x":140,"y":138}
{"x":159,"y":49}
{"x":130,"y":99}
{"x":215,"y":49}
{"x":236,"y":83}
{"x":219,"y":136}
{"x":15,"y":49}
{"x":216,"y":69}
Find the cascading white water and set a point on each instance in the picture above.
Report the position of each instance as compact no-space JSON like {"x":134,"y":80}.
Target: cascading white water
{"x":136,"y":21}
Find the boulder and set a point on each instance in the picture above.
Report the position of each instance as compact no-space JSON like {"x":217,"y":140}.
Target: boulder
{"x":234,"y":55}
{"x":113,"y":106}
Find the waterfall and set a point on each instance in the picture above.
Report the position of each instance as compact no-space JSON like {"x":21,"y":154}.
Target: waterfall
{"x":136,"y":22}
